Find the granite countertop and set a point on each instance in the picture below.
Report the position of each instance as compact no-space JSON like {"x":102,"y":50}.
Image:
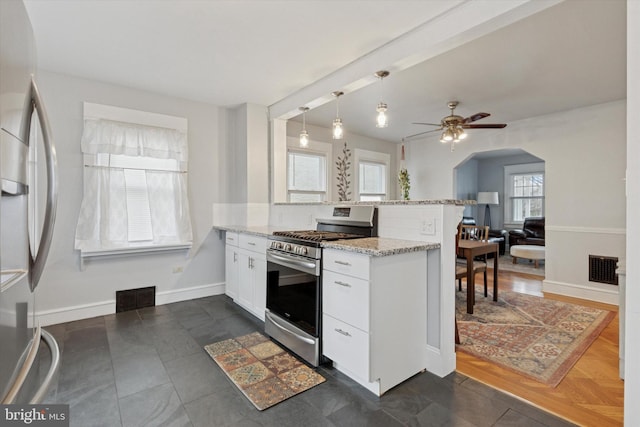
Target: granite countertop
{"x":374,"y":246}
{"x":388,"y":202}
{"x":380,"y":246}
{"x":263,"y":230}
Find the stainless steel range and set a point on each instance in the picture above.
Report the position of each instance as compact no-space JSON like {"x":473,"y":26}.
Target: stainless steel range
{"x":294,"y":278}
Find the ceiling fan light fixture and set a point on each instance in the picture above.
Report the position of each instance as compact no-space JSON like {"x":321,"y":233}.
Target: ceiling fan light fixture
{"x":382,"y":121}
{"x":460,"y":134}
{"x":447,"y":136}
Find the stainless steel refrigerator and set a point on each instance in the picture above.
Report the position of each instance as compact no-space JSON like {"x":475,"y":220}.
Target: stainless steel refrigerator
{"x":27,"y":212}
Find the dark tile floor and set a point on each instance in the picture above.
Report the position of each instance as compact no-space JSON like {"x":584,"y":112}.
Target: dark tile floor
{"x":148,"y":367}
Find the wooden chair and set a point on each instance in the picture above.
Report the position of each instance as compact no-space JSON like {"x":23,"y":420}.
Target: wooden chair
{"x":472,"y":232}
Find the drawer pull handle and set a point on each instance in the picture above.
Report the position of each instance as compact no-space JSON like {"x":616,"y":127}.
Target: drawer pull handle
{"x":342,"y":262}
{"x":251,"y":243}
{"x":345,"y":333}
{"x":230,"y":238}
{"x":346,"y":285}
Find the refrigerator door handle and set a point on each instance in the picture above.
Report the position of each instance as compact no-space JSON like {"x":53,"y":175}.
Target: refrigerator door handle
{"x":21,"y":375}
{"x":38,"y":262}
{"x":50,"y":341}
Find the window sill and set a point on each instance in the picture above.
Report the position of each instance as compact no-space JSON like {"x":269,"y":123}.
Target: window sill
{"x":140,"y":250}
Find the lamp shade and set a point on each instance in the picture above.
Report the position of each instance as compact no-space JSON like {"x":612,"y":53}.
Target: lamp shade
{"x":488,"y":198}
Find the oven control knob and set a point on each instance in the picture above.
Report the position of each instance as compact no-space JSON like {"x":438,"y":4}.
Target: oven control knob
{"x":303,"y":251}
{"x":287,"y":247}
{"x":278,"y":245}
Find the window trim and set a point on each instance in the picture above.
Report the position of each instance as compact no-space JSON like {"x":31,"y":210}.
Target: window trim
{"x":509,"y":171}
{"x":368,"y":156}
{"x":136,"y":117}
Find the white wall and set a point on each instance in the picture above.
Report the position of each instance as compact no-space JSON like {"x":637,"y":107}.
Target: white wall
{"x":632,"y":335}
{"x":354,"y":141}
{"x":585,"y":158}
{"x":66,"y":292}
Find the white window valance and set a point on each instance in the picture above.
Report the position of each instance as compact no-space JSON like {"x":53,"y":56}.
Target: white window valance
{"x":112,"y":137}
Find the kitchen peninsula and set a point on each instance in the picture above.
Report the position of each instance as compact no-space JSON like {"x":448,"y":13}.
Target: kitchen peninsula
{"x":387,"y":311}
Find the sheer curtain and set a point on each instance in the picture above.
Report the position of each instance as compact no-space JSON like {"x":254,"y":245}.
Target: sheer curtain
{"x":135,"y":187}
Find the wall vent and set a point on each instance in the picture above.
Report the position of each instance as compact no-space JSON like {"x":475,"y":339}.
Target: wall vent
{"x":132,"y":299}
{"x":602,"y":269}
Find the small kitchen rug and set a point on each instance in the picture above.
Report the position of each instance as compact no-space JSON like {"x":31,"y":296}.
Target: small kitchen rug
{"x":263,"y":371}
{"x":537,"y":337}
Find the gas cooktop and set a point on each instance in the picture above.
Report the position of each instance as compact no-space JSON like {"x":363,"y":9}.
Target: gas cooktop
{"x":316,"y":235}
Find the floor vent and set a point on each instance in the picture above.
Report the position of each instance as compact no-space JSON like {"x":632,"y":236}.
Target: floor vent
{"x":602,"y":269}
{"x":132,"y":299}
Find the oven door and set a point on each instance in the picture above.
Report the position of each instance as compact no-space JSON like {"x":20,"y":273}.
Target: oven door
{"x":293,"y":290}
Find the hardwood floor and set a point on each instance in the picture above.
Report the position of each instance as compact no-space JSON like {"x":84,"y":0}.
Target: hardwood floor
{"x":592,"y":393}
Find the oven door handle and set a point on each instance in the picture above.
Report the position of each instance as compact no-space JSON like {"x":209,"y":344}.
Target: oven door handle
{"x":275,"y":321}
{"x":306,"y":266}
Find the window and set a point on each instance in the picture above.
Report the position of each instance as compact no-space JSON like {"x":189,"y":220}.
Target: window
{"x":135,"y":183}
{"x":372,"y":181}
{"x":306,"y":176}
{"x":372,"y":175}
{"x":524,"y":187}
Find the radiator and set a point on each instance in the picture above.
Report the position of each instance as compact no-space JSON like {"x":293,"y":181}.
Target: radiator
{"x":602,"y":269}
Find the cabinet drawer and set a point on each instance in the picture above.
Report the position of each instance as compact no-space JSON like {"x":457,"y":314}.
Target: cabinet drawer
{"x":346,"y":345}
{"x":356,"y":265}
{"x":231,"y":238}
{"x":346,"y":298}
{"x":253,"y":243}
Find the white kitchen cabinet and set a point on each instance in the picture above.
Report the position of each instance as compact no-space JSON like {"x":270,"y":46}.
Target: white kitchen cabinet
{"x":246,"y":271}
{"x":374,"y":316}
{"x":231,"y":271}
{"x":231,"y":265}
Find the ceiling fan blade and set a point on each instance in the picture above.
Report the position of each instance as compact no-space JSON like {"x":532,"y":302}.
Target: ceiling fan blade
{"x":418,"y":134}
{"x":485,"y":126}
{"x":476,"y":116}
{"x":429,"y":124}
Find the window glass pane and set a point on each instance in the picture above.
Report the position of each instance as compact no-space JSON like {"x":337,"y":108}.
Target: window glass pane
{"x":372,"y":178}
{"x":306,"y":172}
{"x":368,"y":198}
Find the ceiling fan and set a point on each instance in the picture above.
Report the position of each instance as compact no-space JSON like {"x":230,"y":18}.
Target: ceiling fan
{"x":453,"y":126}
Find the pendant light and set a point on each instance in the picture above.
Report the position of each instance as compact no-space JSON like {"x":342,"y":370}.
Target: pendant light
{"x":304,"y":135}
{"x":338,"y":131}
{"x":382,"y":121}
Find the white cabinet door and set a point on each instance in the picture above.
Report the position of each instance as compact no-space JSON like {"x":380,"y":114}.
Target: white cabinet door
{"x":245,"y":279}
{"x":259,"y":272}
{"x":252,"y":281}
{"x":231,"y":271}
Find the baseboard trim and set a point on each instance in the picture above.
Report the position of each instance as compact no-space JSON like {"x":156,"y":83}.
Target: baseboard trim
{"x":77,"y":312}
{"x":438,"y":363}
{"x":581,"y":291}
{"x":177,"y":295}
{"x":86,"y":311}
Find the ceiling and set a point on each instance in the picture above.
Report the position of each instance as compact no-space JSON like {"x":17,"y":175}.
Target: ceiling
{"x":231,"y":52}
{"x":220,"y":52}
{"x":567,"y":56}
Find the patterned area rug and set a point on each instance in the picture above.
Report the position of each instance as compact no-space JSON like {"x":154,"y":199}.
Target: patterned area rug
{"x":262,"y":370}
{"x":536,"y":337}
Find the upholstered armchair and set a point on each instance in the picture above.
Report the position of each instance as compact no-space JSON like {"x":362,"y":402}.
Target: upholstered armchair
{"x":532,"y":233}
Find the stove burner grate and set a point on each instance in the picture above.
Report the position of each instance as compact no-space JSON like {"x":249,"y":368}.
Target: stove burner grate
{"x":316,"y":235}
